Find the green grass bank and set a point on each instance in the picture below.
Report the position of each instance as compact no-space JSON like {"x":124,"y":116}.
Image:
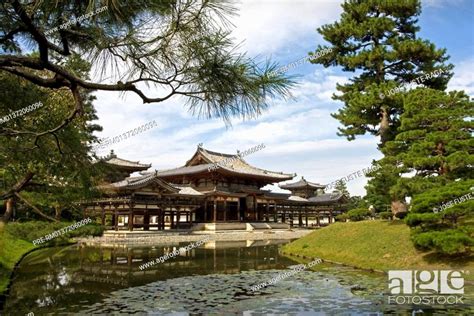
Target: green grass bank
{"x":12,"y":250}
{"x":377,"y":245}
{"x":16,"y":241}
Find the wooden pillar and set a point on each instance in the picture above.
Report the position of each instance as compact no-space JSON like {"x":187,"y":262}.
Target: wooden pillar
{"x":165,"y":213}
{"x":225,"y":209}
{"x":283,"y":215}
{"x":158,"y":217}
{"x":330,"y":216}
{"x":275,"y":213}
{"x":306,"y":215}
{"x":130,"y":214}
{"x":205,"y":211}
{"x":130,"y":219}
{"x":178,"y":215}
{"x":317,"y":219}
{"x":238,"y":210}
{"x":161,"y":220}
{"x":171,"y":218}
{"x":267,"y":212}
{"x":291,"y":218}
{"x":102,"y":217}
{"x":116,"y":217}
{"x":300,"y":218}
{"x":215,"y":210}
{"x":191,"y":211}
{"x":255,"y":214}
{"x":146,"y":221}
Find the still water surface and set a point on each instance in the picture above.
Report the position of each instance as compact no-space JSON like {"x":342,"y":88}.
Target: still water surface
{"x":212,"y":280}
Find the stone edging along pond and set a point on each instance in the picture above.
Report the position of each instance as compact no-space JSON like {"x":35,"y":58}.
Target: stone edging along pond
{"x":219,"y":236}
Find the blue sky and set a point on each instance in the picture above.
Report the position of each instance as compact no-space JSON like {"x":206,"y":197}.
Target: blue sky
{"x":299,"y":134}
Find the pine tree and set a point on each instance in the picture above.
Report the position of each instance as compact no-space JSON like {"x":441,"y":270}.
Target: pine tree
{"x":57,"y":166}
{"x":434,"y":151}
{"x":341,"y":187}
{"x":378,"y":40}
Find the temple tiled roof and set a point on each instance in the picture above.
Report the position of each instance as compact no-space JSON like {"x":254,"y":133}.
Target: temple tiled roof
{"x":328,"y":198}
{"x":144,"y":180}
{"x":138,"y":182}
{"x":228,"y":162}
{"x":187,"y":190}
{"x":297,"y":198}
{"x":183,"y":170}
{"x":112,"y":159}
{"x":301,"y":184}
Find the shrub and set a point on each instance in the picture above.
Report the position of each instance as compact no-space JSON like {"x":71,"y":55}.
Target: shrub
{"x":32,"y":230}
{"x":401,"y":215}
{"x":417,"y":219}
{"x":92,"y":229}
{"x":385,"y":215}
{"x":358,"y":214}
{"x":448,"y":242}
{"x":342,"y":217}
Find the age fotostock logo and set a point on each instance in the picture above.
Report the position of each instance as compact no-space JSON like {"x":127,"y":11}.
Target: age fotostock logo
{"x":425,"y":287}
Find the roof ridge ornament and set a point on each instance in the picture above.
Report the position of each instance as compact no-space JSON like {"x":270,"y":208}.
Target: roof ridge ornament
{"x":200,"y":145}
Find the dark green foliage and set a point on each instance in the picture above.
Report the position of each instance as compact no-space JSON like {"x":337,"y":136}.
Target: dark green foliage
{"x":62,"y":169}
{"x":342,"y":217}
{"x":385,"y":215}
{"x":450,"y":242}
{"x":435,"y":144}
{"x":378,"y":38}
{"x":180,"y":48}
{"x":378,"y":187}
{"x":401,"y":215}
{"x":341,"y":187}
{"x":358,"y":214}
{"x":378,"y":41}
{"x":33,"y":230}
{"x":357,"y":202}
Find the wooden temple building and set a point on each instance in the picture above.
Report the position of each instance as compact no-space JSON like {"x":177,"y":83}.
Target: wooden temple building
{"x":200,"y":197}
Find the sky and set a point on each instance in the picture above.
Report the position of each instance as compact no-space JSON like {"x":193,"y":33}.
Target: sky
{"x":299,"y":134}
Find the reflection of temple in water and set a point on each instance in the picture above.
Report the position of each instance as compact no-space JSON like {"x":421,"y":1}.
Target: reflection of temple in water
{"x":53,"y":277}
{"x":120,"y":265}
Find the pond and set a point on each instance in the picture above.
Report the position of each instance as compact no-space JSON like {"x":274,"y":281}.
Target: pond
{"x":215,"y":279}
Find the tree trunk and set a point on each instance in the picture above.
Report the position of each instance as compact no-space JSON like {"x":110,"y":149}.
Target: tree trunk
{"x":57,"y":213}
{"x":35,"y":209}
{"x":18,"y":187}
{"x":384,"y":125}
{"x":9,"y":204}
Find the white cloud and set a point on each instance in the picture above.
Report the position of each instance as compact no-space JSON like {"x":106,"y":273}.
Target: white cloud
{"x":463,"y":78}
{"x":267,"y":26}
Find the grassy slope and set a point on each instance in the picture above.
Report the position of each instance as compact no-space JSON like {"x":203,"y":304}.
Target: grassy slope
{"x":379,"y":245}
{"x":14,"y":242}
{"x":11,"y":250}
